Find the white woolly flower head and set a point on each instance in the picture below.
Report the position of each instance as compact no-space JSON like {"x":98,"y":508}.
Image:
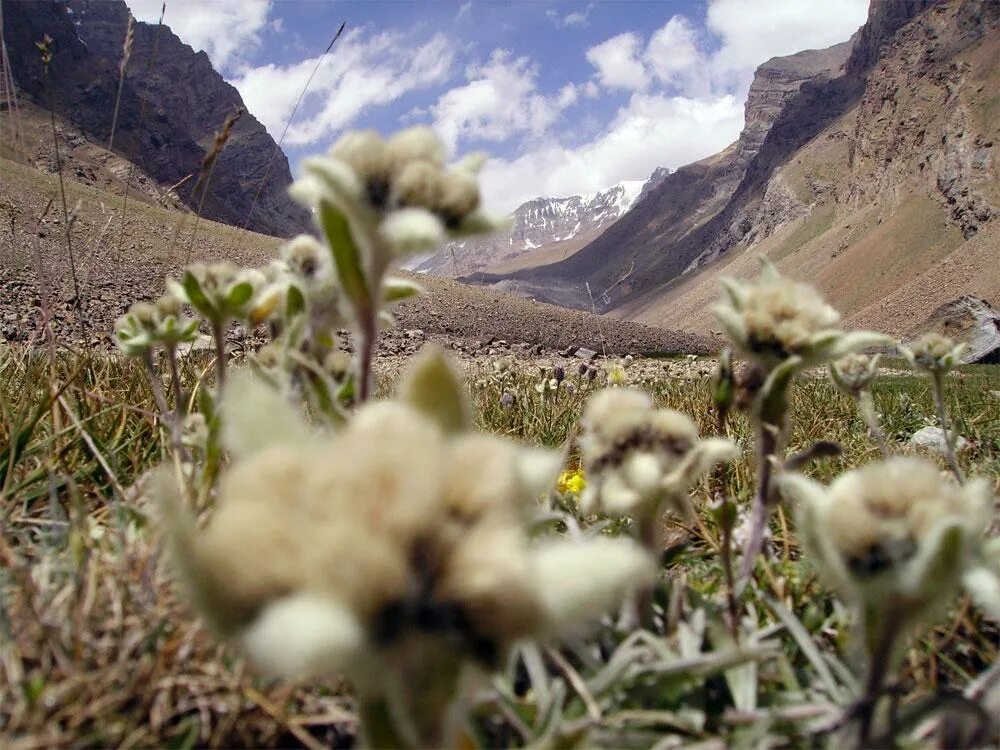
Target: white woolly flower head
{"x":147,"y":325}
{"x":371,"y":549}
{"x":396,"y":194}
{"x":639,"y":457}
{"x":306,"y":258}
{"x":894,"y":533}
{"x":220,"y":291}
{"x":934,"y":353}
{"x":854,"y":372}
{"x":775,"y":319}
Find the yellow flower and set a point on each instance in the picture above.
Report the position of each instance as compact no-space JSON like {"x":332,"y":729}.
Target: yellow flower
{"x":571,"y":482}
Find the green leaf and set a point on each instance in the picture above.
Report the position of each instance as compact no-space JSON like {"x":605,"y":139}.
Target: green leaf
{"x":345,"y":253}
{"x":774,"y":394}
{"x":240,"y":294}
{"x":394,"y":289}
{"x":808,"y":647}
{"x":192,"y":289}
{"x":431,"y":385}
{"x":295,"y":302}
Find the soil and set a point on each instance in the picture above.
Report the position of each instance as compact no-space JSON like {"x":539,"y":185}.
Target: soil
{"x":116,"y":265}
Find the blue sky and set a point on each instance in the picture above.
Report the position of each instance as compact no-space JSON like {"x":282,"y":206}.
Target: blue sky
{"x":567,"y":97}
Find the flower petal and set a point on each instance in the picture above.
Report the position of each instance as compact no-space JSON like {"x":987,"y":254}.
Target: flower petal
{"x":580,"y":580}
{"x":412,"y":230}
{"x":256,"y":417}
{"x":304,"y":635}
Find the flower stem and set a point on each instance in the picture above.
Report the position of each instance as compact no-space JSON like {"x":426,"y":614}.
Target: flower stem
{"x":219,"y":335}
{"x":949,"y":434}
{"x":175,"y":379}
{"x":761,"y":511}
{"x":367,"y":338}
{"x":732,"y":603}
{"x":880,"y":658}
{"x":649,"y":537}
{"x":866,"y":405}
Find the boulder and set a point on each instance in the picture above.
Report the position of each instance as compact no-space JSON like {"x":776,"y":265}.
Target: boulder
{"x":971,"y":320}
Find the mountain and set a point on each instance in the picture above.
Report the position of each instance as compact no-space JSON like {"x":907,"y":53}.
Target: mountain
{"x":172,"y":104}
{"x":868,"y":169}
{"x":542,"y":229}
{"x":676,"y":204}
{"x":880,"y":187}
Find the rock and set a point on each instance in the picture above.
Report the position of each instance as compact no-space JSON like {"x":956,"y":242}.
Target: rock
{"x":203,"y":343}
{"x":970,"y":320}
{"x":932,"y":439}
{"x":188,"y":102}
{"x":569,"y":351}
{"x":585,"y":354}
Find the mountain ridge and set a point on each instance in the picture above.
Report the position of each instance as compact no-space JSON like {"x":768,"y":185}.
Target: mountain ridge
{"x":549,"y":224}
{"x":172,"y":104}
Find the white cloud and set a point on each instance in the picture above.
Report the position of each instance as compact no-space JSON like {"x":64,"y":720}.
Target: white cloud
{"x":499,"y":101}
{"x":576,"y":18}
{"x":222,"y":28}
{"x":672,"y":50}
{"x":754,"y":31}
{"x":618,"y":64}
{"x":464,"y":10}
{"x":650,"y":131}
{"x":367,"y":70}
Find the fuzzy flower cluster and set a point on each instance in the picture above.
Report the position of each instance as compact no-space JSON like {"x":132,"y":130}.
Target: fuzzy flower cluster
{"x":147,"y":325}
{"x":934,"y":353}
{"x":378,"y":551}
{"x":638,"y":457}
{"x":895,"y":533}
{"x":854,"y":373}
{"x":775,"y":319}
{"x":397,"y":194}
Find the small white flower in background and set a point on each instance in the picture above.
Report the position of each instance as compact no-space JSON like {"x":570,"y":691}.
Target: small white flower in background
{"x":933,"y":353}
{"x":617,"y":376}
{"x":546,"y":386}
{"x":854,"y":373}
{"x":638,"y":457}
{"x":194,"y":432}
{"x":394,"y":549}
{"x":147,"y":325}
{"x":897,"y":534}
{"x":396,"y":194}
{"x":775,"y":319}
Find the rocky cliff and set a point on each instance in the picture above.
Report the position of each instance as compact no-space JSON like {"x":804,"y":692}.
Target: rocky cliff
{"x":666,"y":230}
{"x":881,"y":186}
{"x":172,"y":104}
{"x":546,"y":225}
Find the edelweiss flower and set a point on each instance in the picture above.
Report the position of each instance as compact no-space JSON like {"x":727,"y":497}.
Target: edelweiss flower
{"x":854,"y":373}
{"x":379,"y":551}
{"x":933,"y":353}
{"x":775,"y":319}
{"x":396,"y":195}
{"x":639,"y":457}
{"x":220,"y":291}
{"x":893,"y":534}
{"x":147,"y":325}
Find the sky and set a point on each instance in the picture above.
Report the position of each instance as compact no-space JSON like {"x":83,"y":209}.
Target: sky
{"x":566,"y":97}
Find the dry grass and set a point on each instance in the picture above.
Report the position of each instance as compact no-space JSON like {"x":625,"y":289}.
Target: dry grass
{"x":98,"y":651}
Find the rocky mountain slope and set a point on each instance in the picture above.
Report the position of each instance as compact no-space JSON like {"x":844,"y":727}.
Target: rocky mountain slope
{"x":115,"y":269}
{"x":172,"y":104}
{"x":871,"y":182}
{"x":662,"y":228}
{"x":543,"y":228}
{"x":890,"y":206}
